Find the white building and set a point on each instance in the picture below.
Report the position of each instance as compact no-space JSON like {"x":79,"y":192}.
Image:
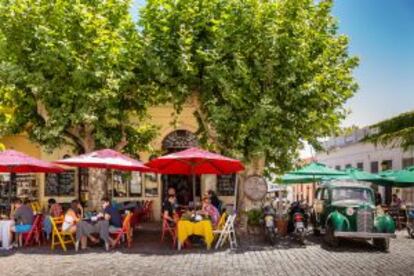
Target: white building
{"x":346,"y":151}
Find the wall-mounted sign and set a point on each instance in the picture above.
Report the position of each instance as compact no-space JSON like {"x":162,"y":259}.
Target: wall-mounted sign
{"x":255,"y":187}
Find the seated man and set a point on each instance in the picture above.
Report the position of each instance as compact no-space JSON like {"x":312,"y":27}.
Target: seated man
{"x":396,"y":201}
{"x":108,"y":220}
{"x":169,"y":210}
{"x":23,"y":216}
{"x":215,"y":200}
{"x":111,"y":215}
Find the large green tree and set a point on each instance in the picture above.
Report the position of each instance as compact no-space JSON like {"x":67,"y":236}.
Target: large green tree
{"x":267,"y":74}
{"x":71,"y":72}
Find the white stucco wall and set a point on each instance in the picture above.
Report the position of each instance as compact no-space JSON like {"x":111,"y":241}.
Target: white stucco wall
{"x":367,"y":153}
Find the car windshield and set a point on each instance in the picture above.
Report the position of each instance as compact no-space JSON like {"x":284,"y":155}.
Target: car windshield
{"x":352,"y":194}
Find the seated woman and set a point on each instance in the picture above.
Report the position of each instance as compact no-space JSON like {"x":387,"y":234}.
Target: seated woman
{"x":209,"y":209}
{"x":72,"y":216}
{"x":55,"y":210}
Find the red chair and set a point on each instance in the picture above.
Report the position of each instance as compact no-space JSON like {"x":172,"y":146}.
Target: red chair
{"x":167,"y":229}
{"x":35,"y":233}
{"x":125,"y":231}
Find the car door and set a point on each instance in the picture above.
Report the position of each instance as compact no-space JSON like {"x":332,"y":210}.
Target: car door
{"x":318,"y":205}
{"x":325,"y":202}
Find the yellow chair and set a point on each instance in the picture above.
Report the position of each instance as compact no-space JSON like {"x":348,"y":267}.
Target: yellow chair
{"x":222,"y":221}
{"x":60,"y":237}
{"x":36,"y":207}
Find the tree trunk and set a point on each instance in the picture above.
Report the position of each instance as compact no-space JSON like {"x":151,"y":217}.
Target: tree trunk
{"x":97,"y":188}
{"x":255,"y":167}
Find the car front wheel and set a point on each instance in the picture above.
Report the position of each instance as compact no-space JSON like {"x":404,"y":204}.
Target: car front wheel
{"x":382,"y":244}
{"x":330,"y":239}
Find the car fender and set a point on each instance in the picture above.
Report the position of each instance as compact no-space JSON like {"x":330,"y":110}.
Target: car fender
{"x":338,"y":221}
{"x":384,"y":224}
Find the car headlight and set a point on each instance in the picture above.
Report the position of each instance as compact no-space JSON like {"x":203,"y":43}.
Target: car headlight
{"x":350,"y":211}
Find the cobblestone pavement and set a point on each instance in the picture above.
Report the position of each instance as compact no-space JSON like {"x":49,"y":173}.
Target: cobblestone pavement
{"x":149,"y":257}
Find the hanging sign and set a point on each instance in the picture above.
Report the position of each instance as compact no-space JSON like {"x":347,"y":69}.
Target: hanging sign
{"x":255,"y":187}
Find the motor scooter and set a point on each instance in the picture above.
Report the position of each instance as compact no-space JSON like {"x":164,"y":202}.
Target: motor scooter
{"x":269,"y":214}
{"x":298,"y":221}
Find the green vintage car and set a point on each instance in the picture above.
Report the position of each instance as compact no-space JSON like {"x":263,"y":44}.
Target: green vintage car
{"x":346,"y":209}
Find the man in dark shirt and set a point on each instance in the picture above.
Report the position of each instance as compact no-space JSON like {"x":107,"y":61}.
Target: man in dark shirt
{"x":110,"y":222}
{"x":112,"y":215}
{"x":215,"y":200}
{"x":169,"y":209}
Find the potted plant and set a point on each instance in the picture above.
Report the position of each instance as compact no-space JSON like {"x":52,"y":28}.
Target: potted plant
{"x":282,"y":217}
{"x":254,"y":217}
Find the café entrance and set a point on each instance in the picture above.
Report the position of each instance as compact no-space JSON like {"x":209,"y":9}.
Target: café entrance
{"x":179,"y":140}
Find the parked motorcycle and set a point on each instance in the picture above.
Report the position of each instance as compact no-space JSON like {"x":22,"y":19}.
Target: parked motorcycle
{"x":410,"y":220}
{"x":269,"y":214}
{"x":298,"y":221}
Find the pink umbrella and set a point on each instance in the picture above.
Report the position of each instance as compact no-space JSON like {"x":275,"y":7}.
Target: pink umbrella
{"x":12,"y":161}
{"x":195,"y":161}
{"x":105,"y":159}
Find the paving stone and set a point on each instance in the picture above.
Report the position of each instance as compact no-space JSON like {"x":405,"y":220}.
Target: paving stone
{"x":150,"y":257}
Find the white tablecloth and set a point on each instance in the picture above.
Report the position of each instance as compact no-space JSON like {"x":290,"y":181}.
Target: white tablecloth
{"x":5,"y":233}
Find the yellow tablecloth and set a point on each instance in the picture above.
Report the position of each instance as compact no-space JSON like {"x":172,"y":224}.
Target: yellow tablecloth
{"x":202,"y":228}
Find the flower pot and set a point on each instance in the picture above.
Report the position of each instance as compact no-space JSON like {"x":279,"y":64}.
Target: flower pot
{"x":282,"y":225}
{"x":254,"y":230}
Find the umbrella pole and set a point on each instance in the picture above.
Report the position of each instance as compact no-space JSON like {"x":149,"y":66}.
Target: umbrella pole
{"x":194,"y":187}
{"x":236,"y":187}
{"x":10,"y":186}
{"x":112,"y":185}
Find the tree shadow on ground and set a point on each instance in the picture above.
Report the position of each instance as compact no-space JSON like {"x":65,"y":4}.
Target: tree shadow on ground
{"x":147,"y":243}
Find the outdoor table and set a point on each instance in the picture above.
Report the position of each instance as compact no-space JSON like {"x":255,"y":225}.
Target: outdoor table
{"x":186,"y":228}
{"x":5,"y":226}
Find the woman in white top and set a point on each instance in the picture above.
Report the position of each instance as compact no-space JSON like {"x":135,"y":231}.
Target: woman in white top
{"x":72,"y":216}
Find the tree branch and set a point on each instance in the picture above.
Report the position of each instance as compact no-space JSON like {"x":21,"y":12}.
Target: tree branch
{"x":209,"y":130}
{"x":123,"y":142}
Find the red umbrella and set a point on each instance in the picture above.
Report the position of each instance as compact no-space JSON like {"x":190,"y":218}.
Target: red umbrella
{"x":195,"y":161}
{"x":105,"y":159}
{"x":12,"y":161}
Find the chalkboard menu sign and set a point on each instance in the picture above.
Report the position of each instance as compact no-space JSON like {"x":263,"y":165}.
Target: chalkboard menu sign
{"x":26,"y":186}
{"x":226,"y":184}
{"x":60,"y":184}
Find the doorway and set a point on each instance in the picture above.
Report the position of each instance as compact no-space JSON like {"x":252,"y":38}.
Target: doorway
{"x":175,"y":141}
{"x":183,"y":185}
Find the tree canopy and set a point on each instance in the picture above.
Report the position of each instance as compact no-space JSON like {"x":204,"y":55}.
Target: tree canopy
{"x":71,"y":73}
{"x":397,"y":131}
{"x":267,"y":74}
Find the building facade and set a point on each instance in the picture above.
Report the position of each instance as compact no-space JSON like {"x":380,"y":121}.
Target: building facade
{"x":127,"y":186}
{"x":351,"y":151}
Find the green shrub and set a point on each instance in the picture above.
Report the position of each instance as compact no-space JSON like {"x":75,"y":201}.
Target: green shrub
{"x":254,"y":216}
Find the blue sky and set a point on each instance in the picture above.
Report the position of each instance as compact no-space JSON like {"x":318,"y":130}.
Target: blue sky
{"x":381,"y":34}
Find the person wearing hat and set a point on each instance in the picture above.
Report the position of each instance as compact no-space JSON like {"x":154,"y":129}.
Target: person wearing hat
{"x":209,"y":209}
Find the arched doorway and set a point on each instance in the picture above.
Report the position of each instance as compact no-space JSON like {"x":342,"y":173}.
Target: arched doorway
{"x":176,"y":141}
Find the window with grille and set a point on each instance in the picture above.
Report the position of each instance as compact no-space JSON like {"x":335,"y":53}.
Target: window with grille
{"x":407,"y":162}
{"x":374,"y":167}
